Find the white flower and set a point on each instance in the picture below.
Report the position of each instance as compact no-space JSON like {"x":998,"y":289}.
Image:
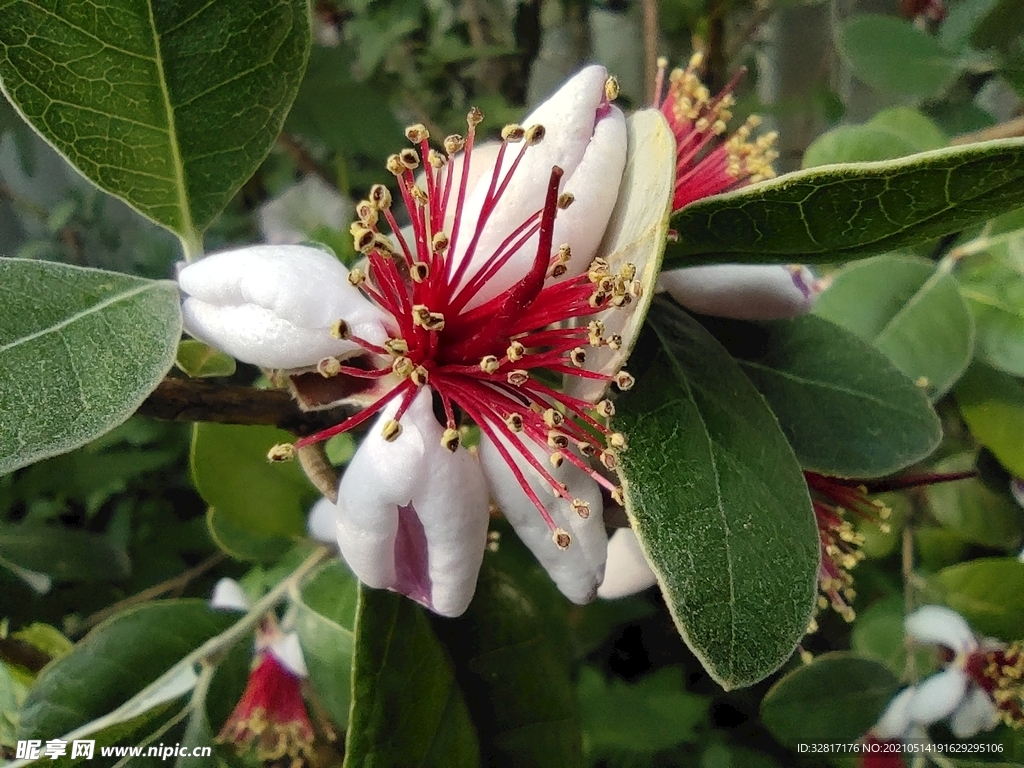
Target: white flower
{"x":627,"y":571}
{"x":297,"y":213}
{"x":452,"y":323}
{"x":742,"y":291}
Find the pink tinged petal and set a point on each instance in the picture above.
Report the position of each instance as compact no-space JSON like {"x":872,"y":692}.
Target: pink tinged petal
{"x":412,"y":515}
{"x":274,"y":306}
{"x":287,"y":650}
{"x":895,"y":722}
{"x":976,"y":713}
{"x":1017,"y":489}
{"x":742,"y":291}
{"x":228,"y":595}
{"x":938,"y":696}
{"x":627,"y":571}
{"x":584,"y":136}
{"x":938,"y":625}
{"x":322,"y":522}
{"x":578,"y":570}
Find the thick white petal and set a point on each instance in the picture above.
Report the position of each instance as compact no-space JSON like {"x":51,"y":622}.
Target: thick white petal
{"x":938,"y":625}
{"x":938,"y":696}
{"x":295,"y":215}
{"x":742,"y":291}
{"x":322,"y":522}
{"x":627,"y":571}
{"x":287,"y":650}
{"x":895,"y":721}
{"x":412,"y":515}
{"x":1017,"y":489}
{"x":976,"y":713}
{"x":583,"y":134}
{"x":274,"y":306}
{"x":228,"y":595}
{"x":578,"y":570}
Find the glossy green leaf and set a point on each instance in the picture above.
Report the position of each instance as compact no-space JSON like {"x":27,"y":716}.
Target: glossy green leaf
{"x":895,"y":56}
{"x":407,"y":708}
{"x":324,"y":619}
{"x":114,"y":662}
{"x":891,"y":133}
{"x":909,"y":310}
{"x":198,"y":360}
{"x":80,"y":349}
{"x":511,"y":667}
{"x":844,"y":407}
{"x":170,"y":106}
{"x":63,"y":554}
{"x":992,"y":281}
{"x":974,"y":510}
{"x":718,"y":501}
{"x":836,"y":698}
{"x":989,"y":593}
{"x":845,"y":212}
{"x":992,"y":404}
{"x":256,"y":507}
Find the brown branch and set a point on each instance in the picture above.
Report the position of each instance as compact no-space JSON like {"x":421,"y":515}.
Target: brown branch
{"x":650,"y":9}
{"x":305,"y":161}
{"x":198,"y":400}
{"x":1007,"y":130}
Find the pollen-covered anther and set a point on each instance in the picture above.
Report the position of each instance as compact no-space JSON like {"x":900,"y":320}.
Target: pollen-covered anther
{"x":553,"y":418}
{"x":395,"y":165}
{"x":391,"y":430}
{"x":489,"y":364}
{"x":518,"y":377}
{"x":436,"y":159}
{"x":340,"y":330}
{"x":513,"y":133}
{"x":419,"y":376}
{"x":417,"y":133}
{"x":423,"y":317}
{"x":439,"y":242}
{"x":597,"y":299}
{"x":609,"y":459}
{"x":617,"y":496}
{"x":328,"y":367}
{"x":383,"y":245}
{"x":409,"y":158}
{"x":581,"y":508}
{"x":362,"y":238}
{"x":419,"y":195}
{"x":397,"y":347}
{"x":606,"y":408}
{"x":621,"y":300}
{"x":614,"y":342}
{"x":611,"y":88}
{"x":281,"y":452}
{"x":514,"y":422}
{"x":419,"y":271}
{"x":624,"y":380}
{"x":515,"y":352}
{"x":577,"y":356}
{"x":535,"y":134}
{"x":556,"y":459}
{"x":617,"y":441}
{"x":453,"y":144}
{"x":565,"y":200}
{"x":450,"y":439}
{"x":557,"y":440}
{"x":403,"y":367}
{"x":356,"y":277}
{"x":380,"y":196}
{"x":595,"y":331}
{"x":636,"y":289}
{"x":586,"y":448}
{"x":367,"y":213}
{"x":627,"y":271}
{"x":474,"y":117}
{"x":561,"y":538}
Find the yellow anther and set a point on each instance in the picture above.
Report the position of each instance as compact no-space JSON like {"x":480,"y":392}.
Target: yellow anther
{"x":281,"y":452}
{"x":617,"y":496}
{"x":557,"y":440}
{"x":514,"y":422}
{"x":553,"y":418}
{"x":606,"y":408}
{"x":362,"y":238}
{"x":624,"y":380}
{"x":403,"y":367}
{"x":391,"y":430}
{"x":535,"y":134}
{"x":328,"y":367}
{"x":439,"y":242}
{"x":611,"y":88}
{"x":614,"y":342}
{"x":397,"y":347}
{"x":581,"y":508}
{"x":380,"y":196}
{"x":356,"y":276}
{"x":409,"y":158}
{"x":565,"y":200}
{"x":450,"y":439}
{"x":617,"y":441}
{"x":395,"y":165}
{"x":586,"y":448}
{"x":515,"y":352}
{"x":577,"y":356}
{"x":419,"y":195}
{"x":609,"y":459}
{"x":513,"y":133}
{"x":417,"y":133}
{"x":489,"y":364}
{"x":474,"y":117}
{"x":518,"y":377}
{"x":419,"y":376}
{"x":556,"y":459}
{"x":627,"y":271}
{"x":366,"y":212}
{"x":419,"y":271}
{"x":454,"y":143}
{"x":340,"y":330}
{"x":561,"y":538}
{"x":383,"y":245}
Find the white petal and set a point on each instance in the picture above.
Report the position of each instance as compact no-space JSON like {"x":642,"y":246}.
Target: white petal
{"x":938,"y":696}
{"x":578,"y":570}
{"x":412,"y":515}
{"x":938,"y":625}
{"x":274,"y":306}
{"x":742,"y":291}
{"x":1017,"y":489}
{"x":287,"y":650}
{"x":294,"y":215}
{"x":322,"y":522}
{"x":584,"y":134}
{"x":228,"y":595}
{"x":895,"y":720}
{"x":976,"y":713}
{"x":627,"y":571}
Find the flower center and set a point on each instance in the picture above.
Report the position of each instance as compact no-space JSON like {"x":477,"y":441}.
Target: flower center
{"x":496,"y":360}
{"x":1000,"y":673}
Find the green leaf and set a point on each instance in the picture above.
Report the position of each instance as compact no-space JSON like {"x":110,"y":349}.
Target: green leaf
{"x":989,"y":593}
{"x":844,"y":407}
{"x":973,"y":510}
{"x":852,"y":211}
{"x":895,"y":56}
{"x":115,"y":661}
{"x":513,"y":670}
{"x":198,"y":360}
{"x":63,"y":554}
{"x":992,"y":404}
{"x":79,"y":351}
{"x":169,"y":106}
{"x":257,"y":507}
{"x":407,"y":708}
{"x":718,"y":502}
{"x":836,"y":698}
{"x":325,"y":615}
{"x":891,"y":133}
{"x":909,"y":310}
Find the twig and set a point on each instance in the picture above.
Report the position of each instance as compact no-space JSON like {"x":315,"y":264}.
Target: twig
{"x":1007,"y":130}
{"x":198,"y":400}
{"x":305,"y":161}
{"x":915,"y":481}
{"x":171,"y":585}
{"x":650,"y":8}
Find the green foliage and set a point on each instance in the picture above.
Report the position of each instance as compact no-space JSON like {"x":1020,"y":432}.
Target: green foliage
{"x":989,"y":593}
{"x":890,"y":134}
{"x":992,"y":404}
{"x":198,"y":360}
